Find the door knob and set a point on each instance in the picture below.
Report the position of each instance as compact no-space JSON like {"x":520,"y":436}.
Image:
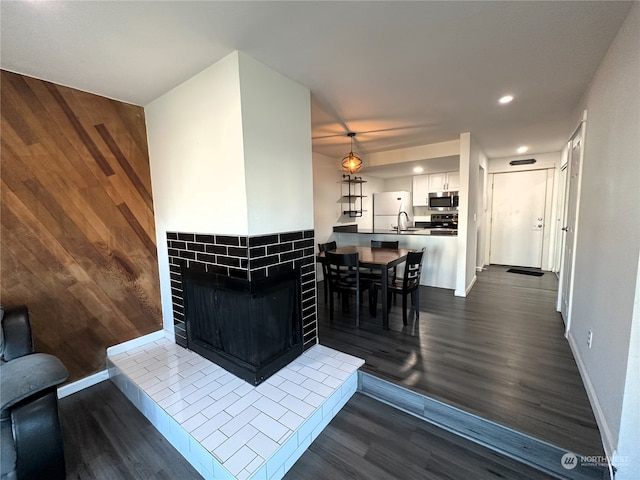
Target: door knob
{"x":564,"y":229}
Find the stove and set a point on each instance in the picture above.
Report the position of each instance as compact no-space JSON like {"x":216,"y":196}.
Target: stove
{"x":442,"y":221}
{"x":445,"y":220}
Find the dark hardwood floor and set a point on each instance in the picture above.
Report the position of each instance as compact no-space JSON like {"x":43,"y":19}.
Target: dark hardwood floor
{"x":499,"y":353}
{"x":107,"y":438}
{"x":370,"y":440}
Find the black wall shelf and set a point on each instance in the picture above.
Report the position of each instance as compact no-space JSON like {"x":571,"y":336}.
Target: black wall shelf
{"x":353,"y":196}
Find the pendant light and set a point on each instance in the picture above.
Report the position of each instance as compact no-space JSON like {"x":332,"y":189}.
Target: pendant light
{"x":351,"y":162}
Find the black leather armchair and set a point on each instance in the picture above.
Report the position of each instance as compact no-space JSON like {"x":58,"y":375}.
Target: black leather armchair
{"x":31,"y":443}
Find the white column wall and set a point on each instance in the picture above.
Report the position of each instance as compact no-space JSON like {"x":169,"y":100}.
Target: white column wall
{"x":196,"y":154}
{"x":326,"y":193}
{"x":470,"y":155}
{"x":196,"y":160}
{"x":210,"y":175}
{"x":276,"y":123}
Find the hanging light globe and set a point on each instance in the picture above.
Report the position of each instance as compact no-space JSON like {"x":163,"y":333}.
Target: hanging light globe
{"x":351,"y":162}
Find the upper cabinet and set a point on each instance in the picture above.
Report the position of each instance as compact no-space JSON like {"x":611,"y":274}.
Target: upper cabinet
{"x":444,"y":182}
{"x":453,"y":181}
{"x":421,"y":191}
{"x":434,"y":182}
{"x":437,"y":182}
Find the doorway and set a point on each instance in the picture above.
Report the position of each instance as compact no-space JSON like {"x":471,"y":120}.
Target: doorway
{"x":518,"y":218}
{"x":566,"y":274}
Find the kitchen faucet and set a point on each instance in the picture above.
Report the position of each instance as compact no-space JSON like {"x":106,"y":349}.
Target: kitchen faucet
{"x":399,"y":215}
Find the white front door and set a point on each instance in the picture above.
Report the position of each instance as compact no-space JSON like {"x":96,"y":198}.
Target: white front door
{"x":517,"y":218}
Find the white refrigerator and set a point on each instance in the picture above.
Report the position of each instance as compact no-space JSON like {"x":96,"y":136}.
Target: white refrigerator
{"x":387,"y":206}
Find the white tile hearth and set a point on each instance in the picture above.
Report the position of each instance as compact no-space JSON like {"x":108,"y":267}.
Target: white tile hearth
{"x":225,"y":427}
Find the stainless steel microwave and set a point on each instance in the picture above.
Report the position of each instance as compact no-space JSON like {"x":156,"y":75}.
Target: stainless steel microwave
{"x":443,"y":201}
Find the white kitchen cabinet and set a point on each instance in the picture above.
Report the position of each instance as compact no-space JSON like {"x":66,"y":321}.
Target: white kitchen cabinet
{"x":444,"y":182}
{"x":434,"y":182}
{"x":453,"y":181}
{"x":437,"y":182}
{"x":421,"y":191}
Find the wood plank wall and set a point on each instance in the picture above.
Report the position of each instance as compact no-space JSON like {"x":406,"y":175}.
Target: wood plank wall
{"x":78,"y":235}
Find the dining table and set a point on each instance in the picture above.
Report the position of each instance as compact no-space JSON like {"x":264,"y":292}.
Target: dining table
{"x":379,"y":259}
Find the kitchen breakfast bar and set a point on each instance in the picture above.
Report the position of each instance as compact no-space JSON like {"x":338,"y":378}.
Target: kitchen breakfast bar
{"x":441,"y":249}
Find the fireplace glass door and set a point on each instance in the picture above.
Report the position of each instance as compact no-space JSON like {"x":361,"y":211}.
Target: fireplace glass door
{"x":251,"y":329}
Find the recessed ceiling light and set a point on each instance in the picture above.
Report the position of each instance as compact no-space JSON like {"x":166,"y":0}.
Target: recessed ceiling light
{"x":418,"y":169}
{"x":522,"y":149}
{"x":506,"y":99}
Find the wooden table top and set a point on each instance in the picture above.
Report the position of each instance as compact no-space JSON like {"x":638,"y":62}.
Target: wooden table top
{"x":373,"y":256}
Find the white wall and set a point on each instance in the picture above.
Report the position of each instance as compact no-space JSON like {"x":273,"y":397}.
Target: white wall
{"x":230,"y":153}
{"x":196,"y":154}
{"x":196,"y":162}
{"x":559,"y":193}
{"x":482,"y":206}
{"x":543,"y":160}
{"x":422,"y":152}
{"x":399,"y":184}
{"x":628,"y":463}
{"x":608,"y":247}
{"x":326,"y":193}
{"x":470,"y":157}
{"x":276,"y":125}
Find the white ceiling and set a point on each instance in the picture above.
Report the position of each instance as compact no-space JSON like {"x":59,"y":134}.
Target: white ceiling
{"x":409,"y":73}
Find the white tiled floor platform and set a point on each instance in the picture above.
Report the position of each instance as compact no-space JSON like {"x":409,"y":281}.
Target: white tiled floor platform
{"x":225,"y":427}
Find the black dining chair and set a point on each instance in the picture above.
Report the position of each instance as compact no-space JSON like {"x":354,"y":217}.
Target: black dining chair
{"x":344,"y":278}
{"x":372,"y":275}
{"x":323,"y":247}
{"x":408,"y":285}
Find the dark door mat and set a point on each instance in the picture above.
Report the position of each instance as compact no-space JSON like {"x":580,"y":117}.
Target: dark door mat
{"x":525,"y":272}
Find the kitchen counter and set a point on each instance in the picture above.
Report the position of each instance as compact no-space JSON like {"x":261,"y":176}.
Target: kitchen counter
{"x":413,"y":231}
{"x":440,"y":259}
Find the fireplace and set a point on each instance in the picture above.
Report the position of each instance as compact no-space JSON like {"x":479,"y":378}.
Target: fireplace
{"x":248,"y":264}
{"x":250,"y":328}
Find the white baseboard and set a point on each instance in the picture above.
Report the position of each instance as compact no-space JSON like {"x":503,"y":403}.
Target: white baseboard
{"x":103,"y":375}
{"x":471,"y":284}
{"x":83,"y":383}
{"x":605,"y":432}
{"x":136,"y":342}
{"x":460,"y":293}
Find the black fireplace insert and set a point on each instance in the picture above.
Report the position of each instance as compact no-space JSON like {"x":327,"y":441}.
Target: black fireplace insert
{"x":250,"y":328}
